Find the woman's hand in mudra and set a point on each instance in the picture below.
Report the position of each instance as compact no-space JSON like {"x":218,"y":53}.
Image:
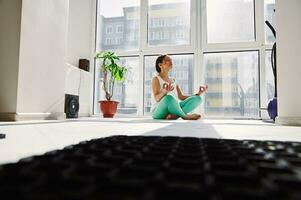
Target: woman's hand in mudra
{"x":167,"y":87}
{"x":202,"y":89}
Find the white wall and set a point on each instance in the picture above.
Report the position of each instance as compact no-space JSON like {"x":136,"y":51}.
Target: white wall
{"x":33,"y":62}
{"x":288,"y":15}
{"x":80,"y":45}
{"x":43,"y":46}
{"x":10,"y":22}
{"x":78,"y":82}
{"x":79,"y":30}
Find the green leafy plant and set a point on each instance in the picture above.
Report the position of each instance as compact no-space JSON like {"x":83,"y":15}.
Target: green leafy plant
{"x":111,"y":72}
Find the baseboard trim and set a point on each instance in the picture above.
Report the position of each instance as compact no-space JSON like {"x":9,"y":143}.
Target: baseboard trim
{"x":84,"y":115}
{"x":32,"y":116}
{"x":57,"y":116}
{"x":7,"y":116}
{"x":289,"y":121}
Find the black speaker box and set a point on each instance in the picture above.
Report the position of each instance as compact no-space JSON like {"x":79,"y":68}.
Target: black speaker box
{"x":71,"y":106}
{"x":84,"y":64}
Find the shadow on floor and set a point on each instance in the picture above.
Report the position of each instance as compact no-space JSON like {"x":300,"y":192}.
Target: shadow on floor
{"x":186,"y":129}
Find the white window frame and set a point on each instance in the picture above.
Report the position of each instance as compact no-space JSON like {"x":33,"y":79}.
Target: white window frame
{"x":197,"y":47}
{"x":264,"y":48}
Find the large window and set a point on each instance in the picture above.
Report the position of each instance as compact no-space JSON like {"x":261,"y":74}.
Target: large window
{"x":169,"y":22}
{"x":233,"y":84}
{"x":214,"y":42}
{"x":269,"y":13}
{"x":270,"y":86}
{"x":230,"y":21}
{"x":182,"y":72}
{"x":118,"y":20}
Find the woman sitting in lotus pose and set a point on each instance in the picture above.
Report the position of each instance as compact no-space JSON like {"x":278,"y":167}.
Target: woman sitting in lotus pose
{"x":168,"y":101}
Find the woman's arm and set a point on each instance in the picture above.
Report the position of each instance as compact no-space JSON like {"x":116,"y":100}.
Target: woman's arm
{"x":180,"y":94}
{"x":157,"y":91}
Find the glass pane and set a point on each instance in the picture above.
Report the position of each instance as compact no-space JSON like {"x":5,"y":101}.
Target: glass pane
{"x":118,"y":25}
{"x":233,"y":84}
{"x":168,"y":22}
{"x":230,"y":21}
{"x":269,"y":12}
{"x":182,"y":72}
{"x":127,"y":92}
{"x":269,"y":76}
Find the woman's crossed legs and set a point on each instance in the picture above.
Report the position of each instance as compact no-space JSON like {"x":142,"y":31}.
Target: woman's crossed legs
{"x":170,"y":108}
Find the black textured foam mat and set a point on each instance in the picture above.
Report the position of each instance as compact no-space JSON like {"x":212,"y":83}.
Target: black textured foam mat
{"x":153,"y":167}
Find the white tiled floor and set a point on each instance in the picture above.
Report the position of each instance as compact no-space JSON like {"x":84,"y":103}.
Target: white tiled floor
{"x":25,"y":139}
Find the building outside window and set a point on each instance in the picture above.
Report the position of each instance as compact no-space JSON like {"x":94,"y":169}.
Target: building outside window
{"x":233,"y":84}
{"x":109,"y":29}
{"x":120,"y":29}
{"x":109,"y":41}
{"x":118,"y":41}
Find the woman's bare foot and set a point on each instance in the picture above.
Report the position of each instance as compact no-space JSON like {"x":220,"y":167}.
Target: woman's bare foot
{"x":171,"y":116}
{"x":192,"y":117}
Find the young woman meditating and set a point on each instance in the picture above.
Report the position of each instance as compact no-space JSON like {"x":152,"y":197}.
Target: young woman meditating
{"x":168,"y":101}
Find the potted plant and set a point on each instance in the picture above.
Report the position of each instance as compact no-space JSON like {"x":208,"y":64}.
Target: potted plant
{"x":111,"y":72}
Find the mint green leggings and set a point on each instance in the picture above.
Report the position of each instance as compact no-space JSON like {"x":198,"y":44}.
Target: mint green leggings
{"x":169,"y":105}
